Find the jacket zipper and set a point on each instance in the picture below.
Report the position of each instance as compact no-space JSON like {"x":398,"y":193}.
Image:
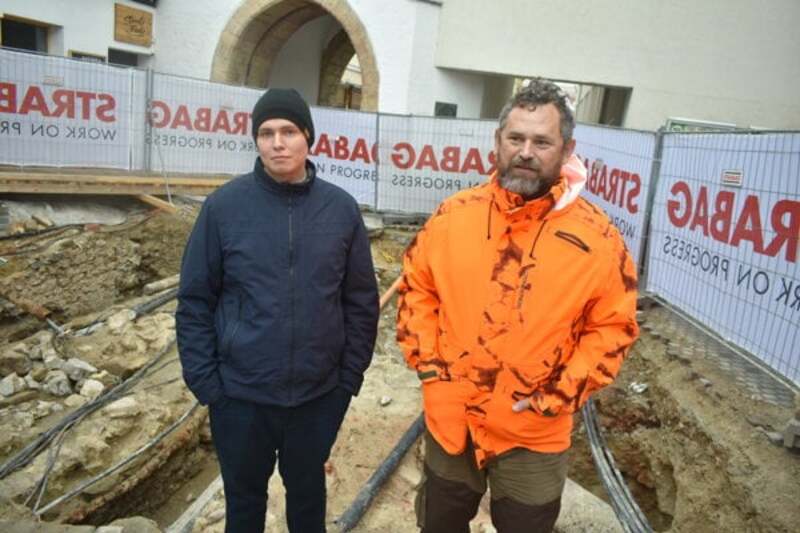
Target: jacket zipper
{"x":291,"y":302}
{"x":573,"y":239}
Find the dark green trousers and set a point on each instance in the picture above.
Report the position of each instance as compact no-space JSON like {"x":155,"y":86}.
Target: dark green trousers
{"x":525,"y":487}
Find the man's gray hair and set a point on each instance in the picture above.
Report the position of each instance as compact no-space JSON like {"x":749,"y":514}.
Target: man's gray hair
{"x":542,"y":92}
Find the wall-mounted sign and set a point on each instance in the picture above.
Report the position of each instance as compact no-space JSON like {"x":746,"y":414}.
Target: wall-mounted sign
{"x":732,"y":178}
{"x":131,"y":25}
{"x":686,"y":125}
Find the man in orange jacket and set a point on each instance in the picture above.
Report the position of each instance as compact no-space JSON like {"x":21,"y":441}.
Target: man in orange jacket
{"x":518,"y":300}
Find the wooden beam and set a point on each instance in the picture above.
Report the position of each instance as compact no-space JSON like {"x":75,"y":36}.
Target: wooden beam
{"x":157,"y":202}
{"x":93,"y":183}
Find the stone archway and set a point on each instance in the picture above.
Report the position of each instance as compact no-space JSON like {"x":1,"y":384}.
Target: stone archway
{"x":258,"y":30}
{"x":335,"y":57}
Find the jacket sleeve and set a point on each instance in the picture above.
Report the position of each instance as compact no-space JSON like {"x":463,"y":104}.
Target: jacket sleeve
{"x":609,"y":329}
{"x":198,"y":293}
{"x":418,"y":309}
{"x":361,"y":312}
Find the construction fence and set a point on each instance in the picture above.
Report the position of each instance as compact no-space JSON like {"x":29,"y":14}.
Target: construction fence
{"x":713,"y":219}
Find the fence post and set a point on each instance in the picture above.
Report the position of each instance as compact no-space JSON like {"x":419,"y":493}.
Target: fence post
{"x":148,"y":128}
{"x":655,"y":174}
{"x":377,"y":157}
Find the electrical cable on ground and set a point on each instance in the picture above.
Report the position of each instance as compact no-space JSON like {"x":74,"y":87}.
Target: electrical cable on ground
{"x":625,"y":507}
{"x":29,"y":452}
{"x":356,"y":510}
{"x":80,"y":488}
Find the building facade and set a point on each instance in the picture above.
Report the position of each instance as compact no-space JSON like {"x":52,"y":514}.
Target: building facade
{"x":629,"y":63}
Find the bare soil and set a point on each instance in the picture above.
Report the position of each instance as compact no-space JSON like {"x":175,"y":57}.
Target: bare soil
{"x":693,"y":444}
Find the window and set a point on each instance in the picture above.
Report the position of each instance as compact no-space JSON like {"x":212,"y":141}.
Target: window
{"x":24,"y":35}
{"x":444,"y":109}
{"x":94,"y":58}
{"x":118,"y":57}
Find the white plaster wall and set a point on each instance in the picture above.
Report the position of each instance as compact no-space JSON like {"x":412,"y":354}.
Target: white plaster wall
{"x":722,"y":60}
{"x":390,"y":27}
{"x":298,"y":63}
{"x":87,"y":25}
{"x":187,"y":35}
{"x":428,"y":84}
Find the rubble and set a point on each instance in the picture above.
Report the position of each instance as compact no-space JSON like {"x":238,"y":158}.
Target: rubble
{"x":91,"y":389}
{"x":56,"y":382}
{"x":12,"y":384}
{"x":122,"y":408}
{"x":15,"y":360}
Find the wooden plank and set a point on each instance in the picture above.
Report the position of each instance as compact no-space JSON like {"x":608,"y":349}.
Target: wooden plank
{"x":83,"y":183}
{"x":157,"y":202}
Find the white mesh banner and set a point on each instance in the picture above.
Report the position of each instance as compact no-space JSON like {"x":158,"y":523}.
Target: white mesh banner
{"x":619,"y":163}
{"x":201,"y":127}
{"x":60,"y":112}
{"x":725,"y":236}
{"x":345,"y":151}
{"x":425,"y":160}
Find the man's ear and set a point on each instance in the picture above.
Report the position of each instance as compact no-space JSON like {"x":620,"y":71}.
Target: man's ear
{"x":569,"y":148}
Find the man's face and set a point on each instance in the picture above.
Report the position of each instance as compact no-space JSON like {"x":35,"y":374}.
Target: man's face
{"x":530,"y":150}
{"x":283,"y":149}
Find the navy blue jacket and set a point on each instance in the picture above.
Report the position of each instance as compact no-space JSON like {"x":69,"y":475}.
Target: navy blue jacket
{"x":277,"y":302}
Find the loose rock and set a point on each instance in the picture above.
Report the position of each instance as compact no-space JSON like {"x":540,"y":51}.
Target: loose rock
{"x":118,"y":320}
{"x":122,"y":408}
{"x":92,"y":389}
{"x":12,"y":384}
{"x":77,"y":369}
{"x":15,"y":359}
{"x":57,"y":383}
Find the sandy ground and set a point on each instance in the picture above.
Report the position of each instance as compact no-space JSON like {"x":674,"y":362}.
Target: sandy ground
{"x":692,"y":444}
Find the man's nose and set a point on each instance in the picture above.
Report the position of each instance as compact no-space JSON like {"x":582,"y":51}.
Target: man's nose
{"x":526,"y":152}
{"x":277,"y":141}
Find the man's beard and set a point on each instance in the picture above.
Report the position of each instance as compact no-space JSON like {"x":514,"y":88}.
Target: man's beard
{"x":527,"y":187}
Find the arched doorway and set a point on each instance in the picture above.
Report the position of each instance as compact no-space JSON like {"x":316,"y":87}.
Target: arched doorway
{"x":257,"y":32}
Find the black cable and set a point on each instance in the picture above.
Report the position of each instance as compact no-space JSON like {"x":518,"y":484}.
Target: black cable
{"x":625,"y":507}
{"x":356,"y":510}
{"x":35,"y":447}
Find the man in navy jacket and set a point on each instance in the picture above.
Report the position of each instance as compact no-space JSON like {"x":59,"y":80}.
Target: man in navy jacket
{"x":276,"y":320}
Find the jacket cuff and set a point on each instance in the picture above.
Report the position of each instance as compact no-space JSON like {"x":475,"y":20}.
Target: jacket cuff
{"x":350,"y":381}
{"x":210,"y":391}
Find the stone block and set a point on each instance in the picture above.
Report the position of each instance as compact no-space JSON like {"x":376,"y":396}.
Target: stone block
{"x":77,"y":369}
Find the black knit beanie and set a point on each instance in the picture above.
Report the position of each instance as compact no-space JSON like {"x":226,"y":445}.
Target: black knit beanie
{"x":286,"y":104}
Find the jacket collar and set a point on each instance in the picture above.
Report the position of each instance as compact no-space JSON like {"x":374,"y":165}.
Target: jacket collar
{"x":268,"y":182}
{"x":563,"y":193}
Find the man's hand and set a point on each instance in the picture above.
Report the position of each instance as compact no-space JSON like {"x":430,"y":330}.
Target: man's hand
{"x":521,"y":405}
{"x":535,"y":402}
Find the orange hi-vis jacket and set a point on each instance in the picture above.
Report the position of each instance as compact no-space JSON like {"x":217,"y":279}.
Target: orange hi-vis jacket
{"x":503,"y":300}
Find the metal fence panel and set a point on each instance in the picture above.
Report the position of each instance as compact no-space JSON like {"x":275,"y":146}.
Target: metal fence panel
{"x":619,"y":164}
{"x":724,"y":239}
{"x":56,"y":111}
